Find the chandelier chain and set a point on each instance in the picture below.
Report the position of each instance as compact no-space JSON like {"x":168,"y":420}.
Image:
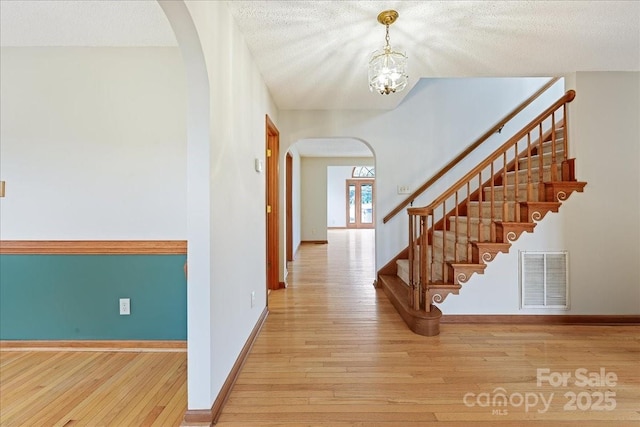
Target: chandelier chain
{"x":387,"y":47}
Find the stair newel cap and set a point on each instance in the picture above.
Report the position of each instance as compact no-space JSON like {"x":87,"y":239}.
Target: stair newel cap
{"x":570,"y":95}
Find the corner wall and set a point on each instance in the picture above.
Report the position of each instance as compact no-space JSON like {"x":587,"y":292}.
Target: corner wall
{"x":221,"y":316}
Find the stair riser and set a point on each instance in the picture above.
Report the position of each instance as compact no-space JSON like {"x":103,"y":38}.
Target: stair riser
{"x":473,"y":228}
{"x":535,"y":161}
{"x":535,"y":175}
{"x":403,"y":271}
{"x":474,"y":209}
{"x":522,"y":193}
{"x":451,"y":256}
{"x":546,"y":146}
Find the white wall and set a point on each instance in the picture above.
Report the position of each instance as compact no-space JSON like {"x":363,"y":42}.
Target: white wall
{"x":93,"y":143}
{"x":221,"y":304}
{"x":602,"y":228}
{"x":313,"y":192}
{"x":295,"y":207}
{"x":336,"y":195}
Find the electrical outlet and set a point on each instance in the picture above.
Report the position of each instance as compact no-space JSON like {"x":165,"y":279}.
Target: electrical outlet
{"x":125,"y":306}
{"x":253,"y":298}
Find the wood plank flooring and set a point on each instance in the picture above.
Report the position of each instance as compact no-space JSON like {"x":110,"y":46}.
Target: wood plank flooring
{"x":92,"y":388}
{"x":334,"y":352}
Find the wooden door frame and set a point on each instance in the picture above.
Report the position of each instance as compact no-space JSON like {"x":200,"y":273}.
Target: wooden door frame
{"x":289,"y":205}
{"x":356,"y":182}
{"x":272,"y":205}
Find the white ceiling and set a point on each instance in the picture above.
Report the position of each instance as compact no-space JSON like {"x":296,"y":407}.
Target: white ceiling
{"x":84,"y":23}
{"x":314,"y":54}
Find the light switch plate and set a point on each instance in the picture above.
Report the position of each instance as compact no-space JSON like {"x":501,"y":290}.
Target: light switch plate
{"x":404,"y":189}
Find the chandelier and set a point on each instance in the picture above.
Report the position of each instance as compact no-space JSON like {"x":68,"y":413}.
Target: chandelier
{"x":387,"y":68}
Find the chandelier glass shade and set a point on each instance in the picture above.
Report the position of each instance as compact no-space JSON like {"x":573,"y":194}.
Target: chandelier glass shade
{"x":387,"y":68}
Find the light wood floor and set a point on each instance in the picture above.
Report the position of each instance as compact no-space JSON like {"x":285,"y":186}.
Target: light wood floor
{"x":333,"y":352}
{"x":92,"y":388}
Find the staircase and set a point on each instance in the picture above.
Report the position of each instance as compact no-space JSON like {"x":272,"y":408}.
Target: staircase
{"x":461,"y":232}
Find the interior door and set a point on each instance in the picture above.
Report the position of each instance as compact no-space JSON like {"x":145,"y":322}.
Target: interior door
{"x":360,"y":213}
{"x":272,"y":249}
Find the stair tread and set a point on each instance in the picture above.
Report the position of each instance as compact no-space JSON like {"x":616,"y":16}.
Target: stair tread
{"x":488,"y":202}
{"x":472,"y":219}
{"x":443,"y":285}
{"x":479,"y":266}
{"x":530,"y":202}
{"x":513,"y":223}
{"x":451,"y":235}
{"x":533,"y":169}
{"x":491,"y":244}
{"x":510,"y":186}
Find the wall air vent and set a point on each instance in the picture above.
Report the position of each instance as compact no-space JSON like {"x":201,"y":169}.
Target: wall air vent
{"x":544,"y":281}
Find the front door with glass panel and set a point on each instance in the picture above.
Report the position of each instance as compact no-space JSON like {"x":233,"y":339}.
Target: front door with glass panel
{"x":360,"y":203}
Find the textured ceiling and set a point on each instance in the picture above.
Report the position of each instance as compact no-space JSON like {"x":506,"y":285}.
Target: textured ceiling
{"x":313,"y":54}
{"x":84,"y":23}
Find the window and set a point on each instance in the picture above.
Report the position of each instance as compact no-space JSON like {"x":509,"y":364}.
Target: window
{"x":364,"y":172}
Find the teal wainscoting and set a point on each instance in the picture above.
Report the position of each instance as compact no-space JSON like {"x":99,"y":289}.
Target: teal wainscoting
{"x":75,"y":297}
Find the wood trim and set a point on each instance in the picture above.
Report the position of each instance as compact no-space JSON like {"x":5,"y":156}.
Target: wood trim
{"x":314,"y":242}
{"x":337,"y":228}
{"x":289,"y":205}
{"x":93,"y":247}
{"x":212,"y":415}
{"x":272,"y":215}
{"x":197,"y":416}
{"x":468,"y":150}
{"x":419,"y":321}
{"x":392,"y":267}
{"x":85,"y":345}
{"x":549,"y":319}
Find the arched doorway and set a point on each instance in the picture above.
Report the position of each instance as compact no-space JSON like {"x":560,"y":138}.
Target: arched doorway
{"x":309,"y":202}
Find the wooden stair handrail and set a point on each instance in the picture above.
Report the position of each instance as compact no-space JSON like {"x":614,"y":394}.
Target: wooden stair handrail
{"x":567,"y":97}
{"x":468,"y":150}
